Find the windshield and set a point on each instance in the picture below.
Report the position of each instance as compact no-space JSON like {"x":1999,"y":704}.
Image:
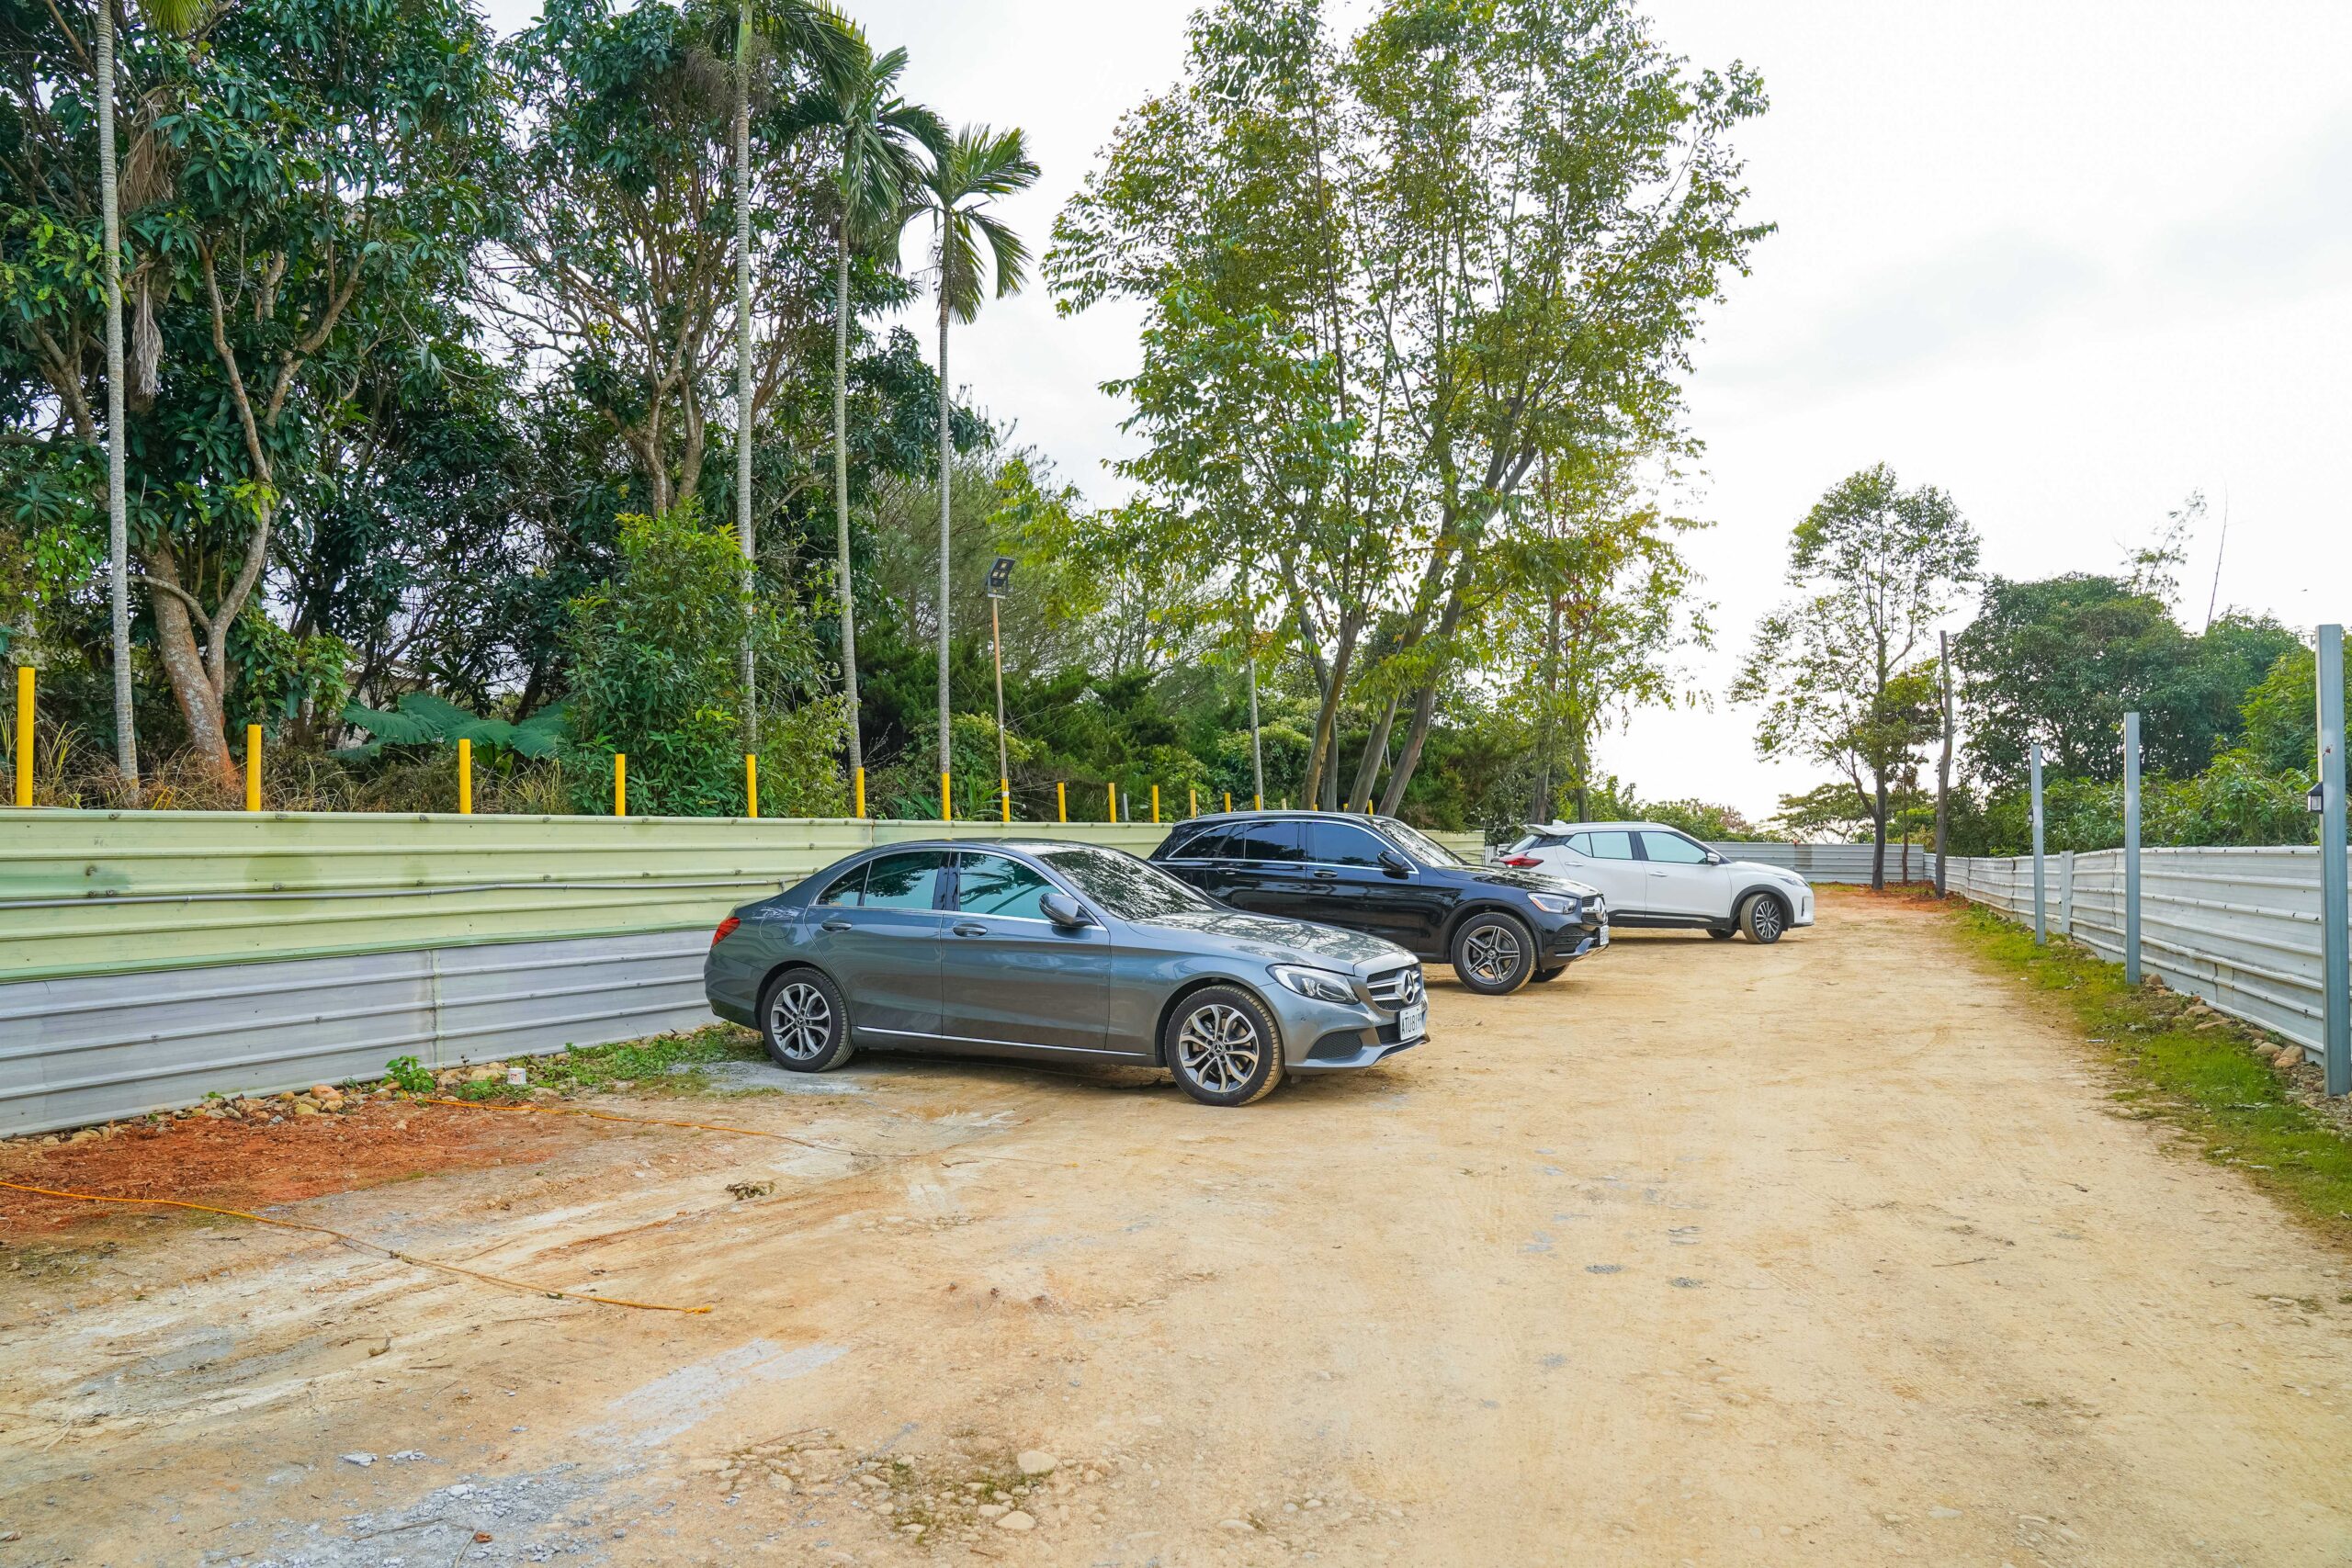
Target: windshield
{"x":1126,"y":886}
{"x":1422,"y":848}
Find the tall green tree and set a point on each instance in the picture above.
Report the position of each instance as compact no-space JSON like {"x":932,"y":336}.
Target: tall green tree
{"x":970,"y":244}
{"x":879,"y":140}
{"x":1834,"y":669}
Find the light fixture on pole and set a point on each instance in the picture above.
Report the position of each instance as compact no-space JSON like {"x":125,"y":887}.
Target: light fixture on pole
{"x":999,"y":579}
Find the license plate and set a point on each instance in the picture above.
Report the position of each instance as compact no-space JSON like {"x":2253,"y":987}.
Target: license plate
{"x":1414,"y":1021}
{"x":1604,"y":936}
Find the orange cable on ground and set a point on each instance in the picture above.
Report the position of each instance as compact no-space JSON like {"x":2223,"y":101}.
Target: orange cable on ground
{"x":355,"y":1241}
{"x":647,"y":1120}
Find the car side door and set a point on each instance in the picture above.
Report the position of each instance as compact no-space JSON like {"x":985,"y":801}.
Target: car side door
{"x":1357,"y":888}
{"x":1272,"y":877}
{"x":1201,"y":860}
{"x":1682,"y":874}
{"x":1605,"y":858}
{"x":1011,"y":980}
{"x":877,"y":931}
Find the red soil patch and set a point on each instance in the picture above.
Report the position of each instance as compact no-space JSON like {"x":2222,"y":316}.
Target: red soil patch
{"x":241,"y":1164}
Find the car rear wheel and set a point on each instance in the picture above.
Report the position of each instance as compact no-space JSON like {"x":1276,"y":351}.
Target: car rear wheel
{"x":1764,"y":917}
{"x":1494,"y":954}
{"x":805,"y":1022}
{"x":1222,"y":1046}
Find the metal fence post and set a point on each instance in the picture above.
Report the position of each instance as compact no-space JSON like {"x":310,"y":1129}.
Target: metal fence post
{"x":2066,"y":893}
{"x":2132,"y":848}
{"x":2334,"y":974}
{"x":2040,"y":903}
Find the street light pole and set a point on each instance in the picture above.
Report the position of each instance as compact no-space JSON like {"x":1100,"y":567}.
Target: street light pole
{"x":1000,"y":579}
{"x":2335,"y":963}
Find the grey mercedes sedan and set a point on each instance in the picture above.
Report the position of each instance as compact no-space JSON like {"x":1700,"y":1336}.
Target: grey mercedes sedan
{"x":1045,"y":951}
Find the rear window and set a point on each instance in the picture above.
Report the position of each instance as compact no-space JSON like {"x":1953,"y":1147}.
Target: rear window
{"x":1269,"y":840}
{"x":1605,"y":846}
{"x":908,"y":881}
{"x":1524,"y":842}
{"x":1207,"y":844}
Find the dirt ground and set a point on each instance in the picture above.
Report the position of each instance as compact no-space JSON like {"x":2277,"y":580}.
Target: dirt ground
{"x":1831,"y":1252}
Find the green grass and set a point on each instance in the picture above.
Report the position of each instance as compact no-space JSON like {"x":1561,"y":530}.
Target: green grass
{"x":2208,"y":1082}
{"x":666,"y":1064}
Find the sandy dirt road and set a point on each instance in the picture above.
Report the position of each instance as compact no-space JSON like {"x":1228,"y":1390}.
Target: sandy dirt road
{"x":1832,"y":1252}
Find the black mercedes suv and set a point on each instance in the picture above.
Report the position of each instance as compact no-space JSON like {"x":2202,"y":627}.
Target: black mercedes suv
{"x":1498,"y":927}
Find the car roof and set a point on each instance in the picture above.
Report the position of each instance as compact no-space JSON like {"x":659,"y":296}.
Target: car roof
{"x":1294,"y":816}
{"x":1589,"y":827}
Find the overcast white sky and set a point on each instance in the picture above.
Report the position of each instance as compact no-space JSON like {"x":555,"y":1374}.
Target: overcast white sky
{"x":2067,"y":260}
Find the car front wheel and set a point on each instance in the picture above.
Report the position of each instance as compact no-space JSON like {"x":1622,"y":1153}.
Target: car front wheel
{"x":1764,"y":917}
{"x":1222,"y":1046}
{"x":805,"y":1022}
{"x":1494,"y":954}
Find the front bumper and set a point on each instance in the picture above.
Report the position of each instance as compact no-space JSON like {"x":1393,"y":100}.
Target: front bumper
{"x":1803,"y":913}
{"x":1331,"y":1037}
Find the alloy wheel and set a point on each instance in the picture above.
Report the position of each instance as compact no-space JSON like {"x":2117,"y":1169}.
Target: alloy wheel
{"x":800,"y":1020}
{"x":1218,"y":1048}
{"x":1767,"y":918}
{"x":1493,"y":952}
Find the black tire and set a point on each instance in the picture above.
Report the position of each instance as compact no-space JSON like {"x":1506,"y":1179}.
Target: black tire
{"x":1721,"y":935}
{"x":804,"y":1022}
{"x":1764,"y":917}
{"x":1554,"y":973}
{"x":1223,"y":1047}
{"x":1492,"y":954}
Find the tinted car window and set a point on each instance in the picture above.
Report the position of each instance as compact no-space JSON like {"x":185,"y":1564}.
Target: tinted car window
{"x":1341,"y":843}
{"x":1207,"y":844}
{"x":908,"y":880}
{"x":1129,"y":889}
{"x":991,"y":885}
{"x":1608,"y":846}
{"x":849,"y":889}
{"x":1267,"y":841}
{"x":1672,"y":848}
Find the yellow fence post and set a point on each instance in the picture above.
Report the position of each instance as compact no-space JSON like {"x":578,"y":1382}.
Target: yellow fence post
{"x":750,"y":786}
{"x":1196,"y":803}
{"x":1061,"y":802}
{"x":252,"y":767}
{"x":946,"y":801}
{"x":1229,"y":800}
{"x":1004,"y":794}
{"x":1112,"y":794}
{"x":24,"y":735}
{"x":465,"y":777}
{"x":1258,"y":803}
{"x":1155,"y":802}
{"x":620,"y":784}
{"x":861,"y":794}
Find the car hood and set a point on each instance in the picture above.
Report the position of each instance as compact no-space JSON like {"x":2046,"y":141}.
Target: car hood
{"x":1752,"y":867}
{"x":1274,"y":940}
{"x":1534,"y":881}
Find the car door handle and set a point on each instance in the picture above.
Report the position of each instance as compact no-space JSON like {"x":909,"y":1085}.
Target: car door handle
{"x":1326,"y":877}
{"x":970,"y":929}
{"x":835,"y":924}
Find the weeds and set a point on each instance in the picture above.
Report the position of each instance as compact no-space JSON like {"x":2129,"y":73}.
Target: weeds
{"x":665,"y":1064}
{"x":2183,"y":1064}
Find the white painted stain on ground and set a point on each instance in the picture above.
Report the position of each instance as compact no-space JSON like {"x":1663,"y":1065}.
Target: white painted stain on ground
{"x":658,"y":1411}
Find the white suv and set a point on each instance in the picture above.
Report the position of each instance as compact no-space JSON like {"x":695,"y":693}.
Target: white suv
{"x":1657,"y":875}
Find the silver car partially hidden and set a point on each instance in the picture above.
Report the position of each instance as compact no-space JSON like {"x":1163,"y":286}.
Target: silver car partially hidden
{"x":1045,"y":950}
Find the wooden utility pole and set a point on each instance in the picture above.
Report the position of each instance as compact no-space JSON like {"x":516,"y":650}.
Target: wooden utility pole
{"x":1943,"y":768}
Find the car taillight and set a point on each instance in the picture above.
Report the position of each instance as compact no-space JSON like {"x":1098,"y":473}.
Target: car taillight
{"x":1521,"y":861}
{"x":726,"y":928}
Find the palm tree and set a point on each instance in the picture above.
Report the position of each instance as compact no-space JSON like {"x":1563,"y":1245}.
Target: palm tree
{"x":179,"y":17}
{"x":819,"y":35}
{"x":876,"y":177}
{"x":978,"y":165}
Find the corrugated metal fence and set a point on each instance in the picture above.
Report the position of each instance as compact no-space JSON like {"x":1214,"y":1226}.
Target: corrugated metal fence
{"x":1833,"y":862}
{"x":2238,"y":927}
{"x":147,"y":958}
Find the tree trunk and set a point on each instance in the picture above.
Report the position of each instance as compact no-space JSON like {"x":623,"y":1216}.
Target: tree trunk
{"x":200,"y":702}
{"x":126,"y":733}
{"x":1322,"y":758}
{"x":1878,"y":831}
{"x":946,"y":457}
{"x":1375,"y":753}
{"x":844,"y":586}
{"x":1544,"y":806}
{"x":750,"y":674}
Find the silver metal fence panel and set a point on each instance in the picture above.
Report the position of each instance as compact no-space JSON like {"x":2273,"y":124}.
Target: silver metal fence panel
{"x":1829,"y":863}
{"x":95,"y":1047}
{"x":2239,"y":927}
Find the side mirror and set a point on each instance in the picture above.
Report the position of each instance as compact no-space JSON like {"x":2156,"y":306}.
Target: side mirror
{"x":1064,"y":910}
{"x":1395,"y":862}
{"x":1713,"y":859}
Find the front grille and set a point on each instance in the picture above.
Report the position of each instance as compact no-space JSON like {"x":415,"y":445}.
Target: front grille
{"x":1396,"y":988}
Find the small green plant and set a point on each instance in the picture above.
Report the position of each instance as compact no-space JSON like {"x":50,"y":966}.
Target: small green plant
{"x":408,"y":1075}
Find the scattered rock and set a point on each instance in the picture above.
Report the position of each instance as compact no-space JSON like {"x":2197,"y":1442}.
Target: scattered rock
{"x":362,"y":1459}
{"x":1037,"y":1462}
{"x":1242,"y":1526}
{"x":2289,"y":1058}
{"x":994,"y":1510}
{"x":1016,"y":1520}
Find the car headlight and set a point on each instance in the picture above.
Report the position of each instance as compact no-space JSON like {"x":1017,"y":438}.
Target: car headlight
{"x":1555,"y":903}
{"x":1320,"y":985}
